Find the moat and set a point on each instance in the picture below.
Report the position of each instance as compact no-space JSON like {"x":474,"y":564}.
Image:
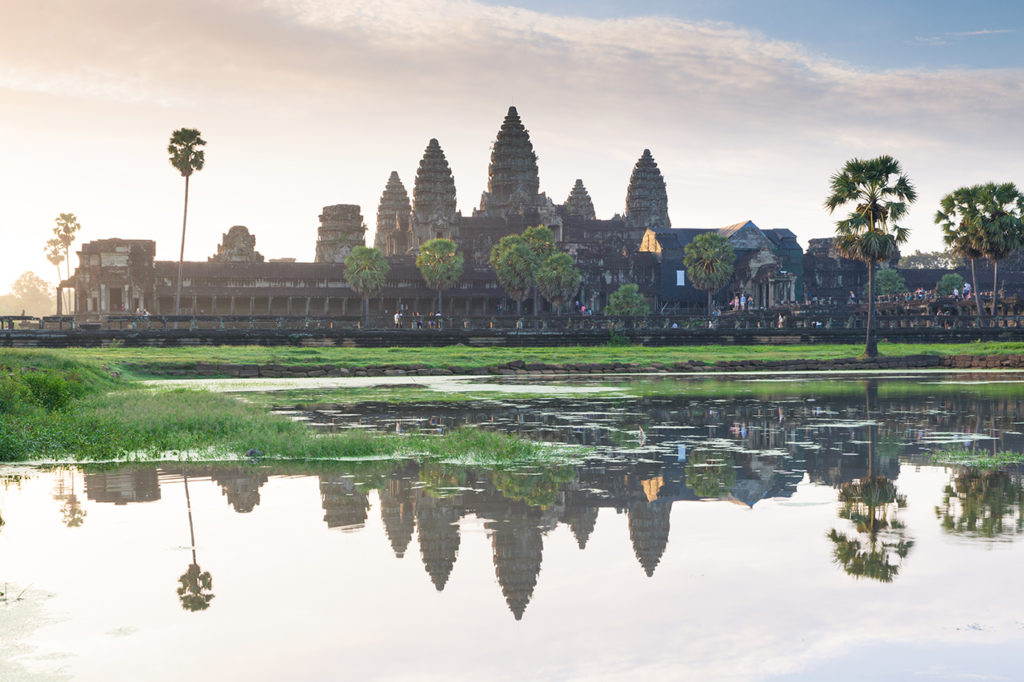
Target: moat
{"x":759,"y":527}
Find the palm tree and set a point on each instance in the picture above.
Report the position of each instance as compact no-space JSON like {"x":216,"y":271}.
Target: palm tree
{"x":958,"y":216}
{"x":709,"y":261}
{"x":195,"y":584}
{"x":54,"y":254}
{"x":558,"y":279}
{"x":879,"y":193}
{"x":441,"y":266}
{"x":187,"y":158}
{"x":1001,"y":230}
{"x":515,"y":264}
{"x":366,"y":272}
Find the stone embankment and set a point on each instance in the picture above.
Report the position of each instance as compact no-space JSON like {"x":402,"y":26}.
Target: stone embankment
{"x":519,"y":367}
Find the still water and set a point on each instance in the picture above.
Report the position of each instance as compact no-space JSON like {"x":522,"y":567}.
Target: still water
{"x":736,"y":531}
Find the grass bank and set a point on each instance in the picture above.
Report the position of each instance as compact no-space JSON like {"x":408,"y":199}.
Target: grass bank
{"x":53,"y":407}
{"x":147,"y":362}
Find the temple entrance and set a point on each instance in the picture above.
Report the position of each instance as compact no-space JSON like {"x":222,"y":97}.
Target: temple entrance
{"x":116,"y":300}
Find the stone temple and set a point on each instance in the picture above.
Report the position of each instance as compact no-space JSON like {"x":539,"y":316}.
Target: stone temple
{"x":639,"y":247}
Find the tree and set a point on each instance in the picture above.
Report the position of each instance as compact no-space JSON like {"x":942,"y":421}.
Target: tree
{"x":514,"y":262}
{"x":558,"y":279}
{"x":195,"y":584}
{"x":958,"y":216}
{"x":366,"y":271}
{"x":1001,"y":229}
{"x":64,"y":232}
{"x":879,"y":193}
{"x":889,"y":282}
{"x":931,"y":260}
{"x":441,"y":265}
{"x":627,"y":301}
{"x":948,"y":282}
{"x":54,"y":254}
{"x":33,"y":294}
{"x":542,"y":242}
{"x":709,"y":261}
{"x":187,"y":157}
{"x":871,"y":505}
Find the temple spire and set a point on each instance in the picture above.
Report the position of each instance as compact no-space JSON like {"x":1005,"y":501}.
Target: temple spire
{"x":579,"y":203}
{"x":512,"y":180}
{"x":393,"y":236}
{"x":647,"y":198}
{"x":433,"y":197}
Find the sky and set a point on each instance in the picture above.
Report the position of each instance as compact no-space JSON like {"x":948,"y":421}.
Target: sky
{"x":748,"y":106}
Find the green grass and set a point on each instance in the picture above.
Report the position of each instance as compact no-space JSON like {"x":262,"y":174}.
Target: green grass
{"x":147,"y":361}
{"x":106,"y":418}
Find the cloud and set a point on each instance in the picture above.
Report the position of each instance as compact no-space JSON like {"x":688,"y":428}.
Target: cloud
{"x":948,"y":38}
{"x":310,"y":102}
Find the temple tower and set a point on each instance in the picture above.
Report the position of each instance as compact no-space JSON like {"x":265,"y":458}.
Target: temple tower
{"x":518,"y":548}
{"x":393,"y":235}
{"x":396,"y":512}
{"x":512,"y":180}
{"x":341,"y":229}
{"x":237,"y":246}
{"x":579,"y":202}
{"x":648,"y":531}
{"x":646,"y":198}
{"x":438,"y":524}
{"x":433,"y":198}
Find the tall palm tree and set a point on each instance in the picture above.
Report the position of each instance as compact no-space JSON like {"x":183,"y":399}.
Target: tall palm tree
{"x":879,"y":193}
{"x":958,"y":215}
{"x":366,"y":271}
{"x":55,"y":254}
{"x":1001,"y":228}
{"x":187,"y":157}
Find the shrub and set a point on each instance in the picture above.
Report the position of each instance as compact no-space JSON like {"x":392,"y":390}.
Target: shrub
{"x":12,"y":394}
{"x":949,"y":282}
{"x":48,"y":390}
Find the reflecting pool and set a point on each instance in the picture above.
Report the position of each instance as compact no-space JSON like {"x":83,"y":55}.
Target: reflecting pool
{"x":744,"y":530}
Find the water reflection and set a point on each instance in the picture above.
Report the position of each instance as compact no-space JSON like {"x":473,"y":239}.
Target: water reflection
{"x":880,"y":545}
{"x":983,"y":504}
{"x":695,"y":449}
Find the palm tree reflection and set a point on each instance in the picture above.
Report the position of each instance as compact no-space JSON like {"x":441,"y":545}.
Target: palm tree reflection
{"x":983,"y":504}
{"x":872,"y":506}
{"x":195,"y":584}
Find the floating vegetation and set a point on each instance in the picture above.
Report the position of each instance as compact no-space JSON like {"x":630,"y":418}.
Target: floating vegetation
{"x":977,"y":459}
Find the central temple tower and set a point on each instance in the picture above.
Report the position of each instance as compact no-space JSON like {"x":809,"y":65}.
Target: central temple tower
{"x":512,"y":180}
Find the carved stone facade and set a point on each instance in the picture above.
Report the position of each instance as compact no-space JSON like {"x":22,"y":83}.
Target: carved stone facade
{"x":341,"y":230}
{"x":433,"y":208}
{"x":393,"y":236}
{"x":237,"y":246}
{"x":579,"y":203}
{"x":647,"y":198}
{"x":513,"y":184}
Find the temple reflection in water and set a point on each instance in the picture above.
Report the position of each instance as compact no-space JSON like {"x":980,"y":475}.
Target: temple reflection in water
{"x":742,"y":450}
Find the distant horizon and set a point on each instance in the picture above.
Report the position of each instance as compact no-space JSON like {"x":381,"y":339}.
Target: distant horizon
{"x":307,"y":104}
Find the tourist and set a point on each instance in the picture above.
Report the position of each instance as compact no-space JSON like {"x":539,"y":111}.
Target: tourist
{"x":956,"y":294}
{"x":398,"y":320}
{"x":853,"y":298}
{"x":967,"y":290}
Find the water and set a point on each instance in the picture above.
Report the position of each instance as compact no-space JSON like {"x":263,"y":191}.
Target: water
{"x":703,"y":549}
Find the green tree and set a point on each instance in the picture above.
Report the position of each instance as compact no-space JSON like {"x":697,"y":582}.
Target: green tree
{"x":542,"y":241}
{"x":187,"y":157}
{"x":366,"y":271}
{"x":959,"y":217}
{"x":931,"y":260}
{"x":558,"y":279}
{"x":948,"y":282}
{"x":195,"y":584}
{"x":710,"y":473}
{"x":441,"y":266}
{"x":879,"y":193}
{"x":709,"y":262}
{"x":1001,"y":229}
{"x":627,"y":301}
{"x":888,"y":282}
{"x":514,"y":263}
